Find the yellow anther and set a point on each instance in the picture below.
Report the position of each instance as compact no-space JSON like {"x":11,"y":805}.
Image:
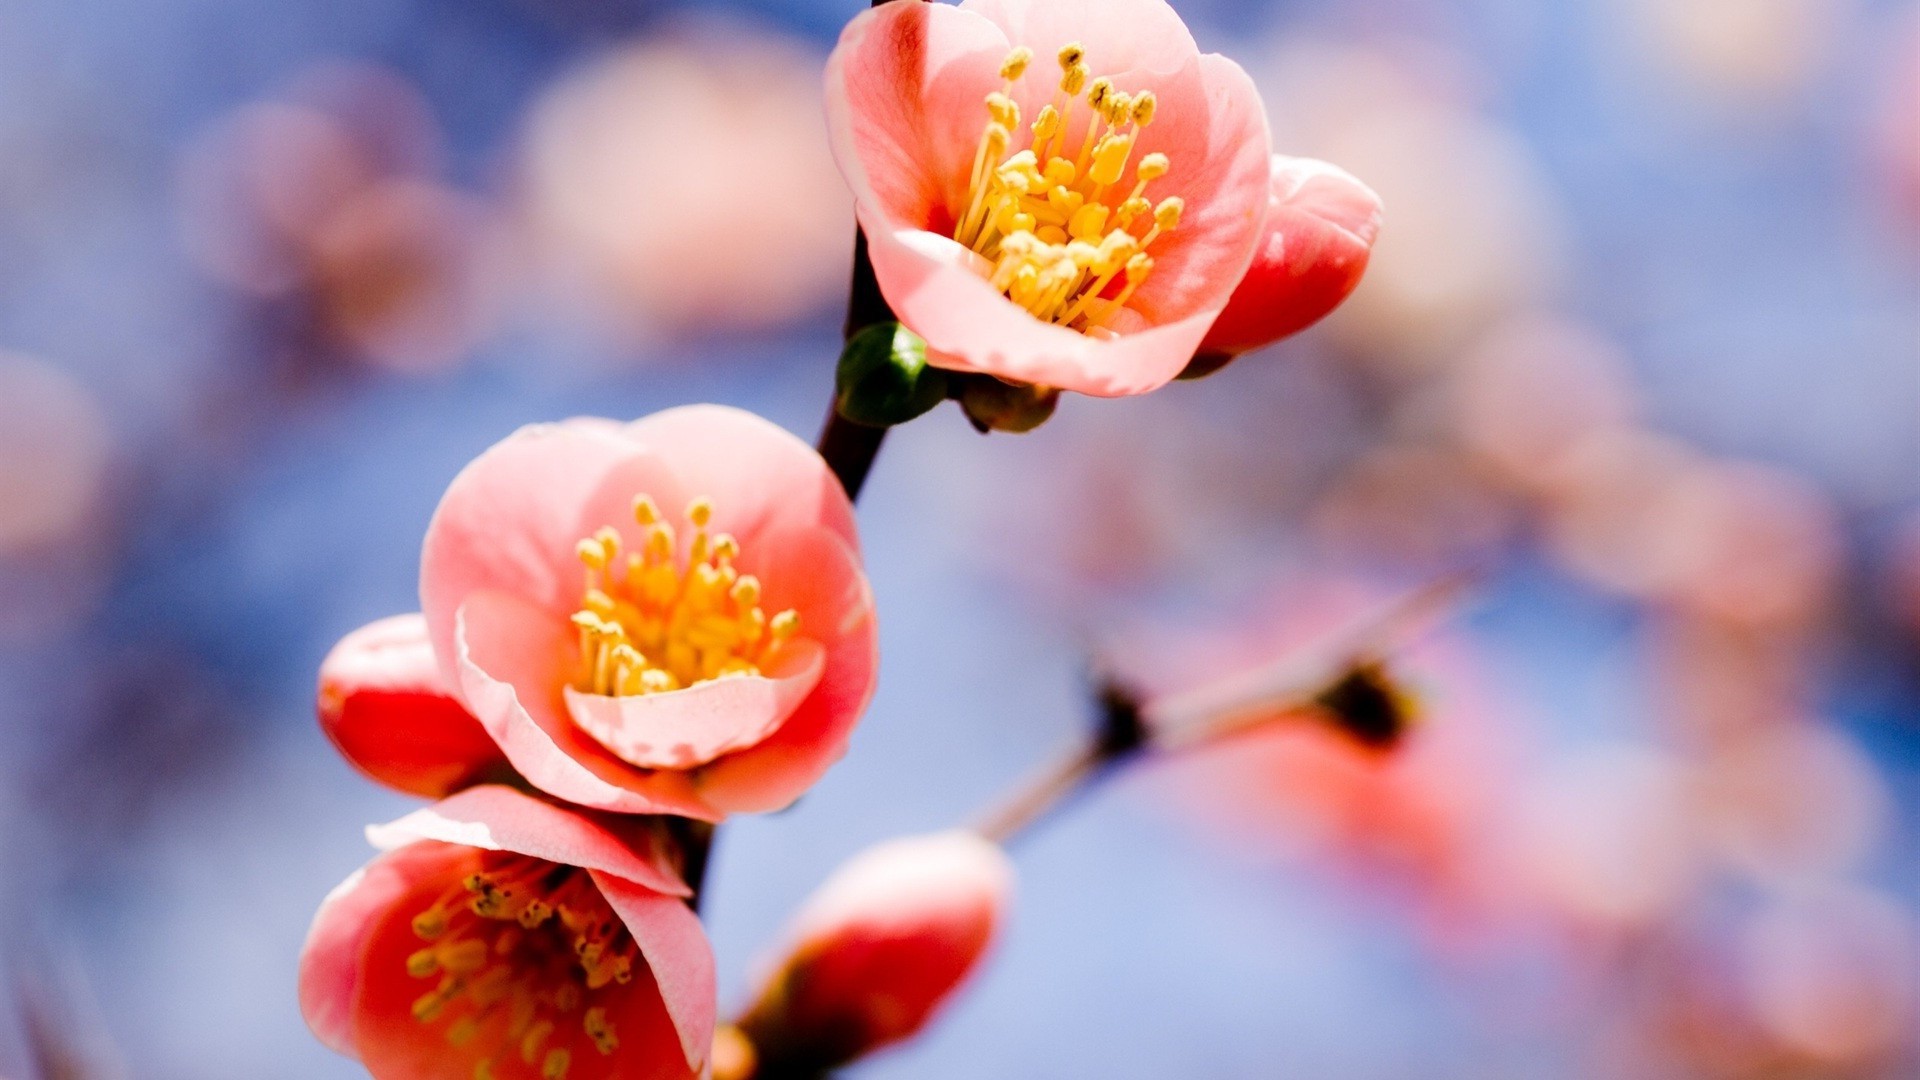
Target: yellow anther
{"x":1144,"y":106}
{"x":591,"y":553}
{"x":659,"y":542}
{"x":428,"y":1006}
{"x":1003,"y":110}
{"x":430,"y":924}
{"x":1110,"y":158}
{"x":1139,"y":266}
{"x":1098,"y":90}
{"x":1045,"y":126}
{"x":1118,"y":108}
{"x":1059,"y":172}
{"x":1166,"y":216}
{"x":725,"y":548}
{"x":1088,"y":223}
{"x":1070,"y":55}
{"x":463,"y":957}
{"x":645,"y":510}
{"x":1015,"y":65}
{"x":1152,"y":167}
{"x":746,"y":591}
{"x":784,"y":625}
{"x":1074,"y":80}
{"x":556,"y":1064}
{"x":422,"y":963}
{"x":534,"y":914}
{"x":462,"y":1032}
{"x":1132,"y":209}
{"x":600,"y":1030}
{"x":700,"y":512}
{"x":1051,"y":234}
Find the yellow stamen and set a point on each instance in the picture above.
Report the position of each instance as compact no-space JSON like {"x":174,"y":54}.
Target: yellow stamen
{"x":668,"y":623}
{"x":1054,"y":237}
{"x":506,"y":991}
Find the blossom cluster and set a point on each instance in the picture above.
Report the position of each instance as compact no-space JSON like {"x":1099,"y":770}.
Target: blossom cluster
{"x":629,"y":632}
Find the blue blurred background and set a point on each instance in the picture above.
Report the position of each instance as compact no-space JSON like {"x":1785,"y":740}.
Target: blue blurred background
{"x":1642,"y":334}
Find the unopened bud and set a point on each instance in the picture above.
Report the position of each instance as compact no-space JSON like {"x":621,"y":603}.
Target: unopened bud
{"x":878,"y":949}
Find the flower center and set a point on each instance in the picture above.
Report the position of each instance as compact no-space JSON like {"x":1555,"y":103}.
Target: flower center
{"x":520,"y":947}
{"x":650,"y":623}
{"x":1057,"y":222}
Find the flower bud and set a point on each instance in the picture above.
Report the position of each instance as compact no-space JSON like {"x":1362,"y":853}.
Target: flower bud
{"x":878,"y":948}
{"x":1321,"y":224}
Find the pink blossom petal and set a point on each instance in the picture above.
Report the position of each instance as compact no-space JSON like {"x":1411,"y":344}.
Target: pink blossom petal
{"x":670,"y":937}
{"x":512,"y":658}
{"x":330,"y":966}
{"x":685,"y":728}
{"x":815,"y":574}
{"x":496,"y":818}
{"x":1321,"y":225}
{"x":904,"y":94}
{"x":384,"y":704}
{"x":758,"y":475}
{"x":512,"y":520}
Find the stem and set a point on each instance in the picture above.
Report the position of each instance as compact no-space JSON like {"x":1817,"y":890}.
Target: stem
{"x":849,"y":450}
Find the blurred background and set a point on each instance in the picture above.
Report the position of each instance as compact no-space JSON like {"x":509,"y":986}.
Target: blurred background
{"x":1641,"y":338}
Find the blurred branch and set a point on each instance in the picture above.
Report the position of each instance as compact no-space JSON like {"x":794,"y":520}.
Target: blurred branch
{"x":1322,"y":679}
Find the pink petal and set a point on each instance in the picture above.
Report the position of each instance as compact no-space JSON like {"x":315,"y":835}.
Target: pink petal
{"x":384,"y":705}
{"x":970,"y":327}
{"x":759,"y":476}
{"x":1321,"y":225}
{"x":904,"y":93}
{"x":685,"y":728}
{"x":512,"y":657}
{"x":496,"y":818}
{"x":670,"y":937}
{"x":330,"y":961}
{"x":818,"y":576}
{"x":513,"y":518}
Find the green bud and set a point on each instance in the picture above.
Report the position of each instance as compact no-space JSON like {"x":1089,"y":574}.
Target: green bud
{"x":993,"y":405}
{"x":884,"y":378}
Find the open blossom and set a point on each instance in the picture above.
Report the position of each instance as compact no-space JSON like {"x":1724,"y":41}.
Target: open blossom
{"x":667,"y":616}
{"x":879,"y":948}
{"x":505,"y":938}
{"x":1059,"y":193}
{"x":1321,"y":224}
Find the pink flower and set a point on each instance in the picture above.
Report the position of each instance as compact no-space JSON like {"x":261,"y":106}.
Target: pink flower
{"x":385,"y":706}
{"x":502,"y":936}
{"x":1049,"y":226}
{"x":878,"y":948}
{"x":1321,"y":224}
{"x":668,"y":616}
